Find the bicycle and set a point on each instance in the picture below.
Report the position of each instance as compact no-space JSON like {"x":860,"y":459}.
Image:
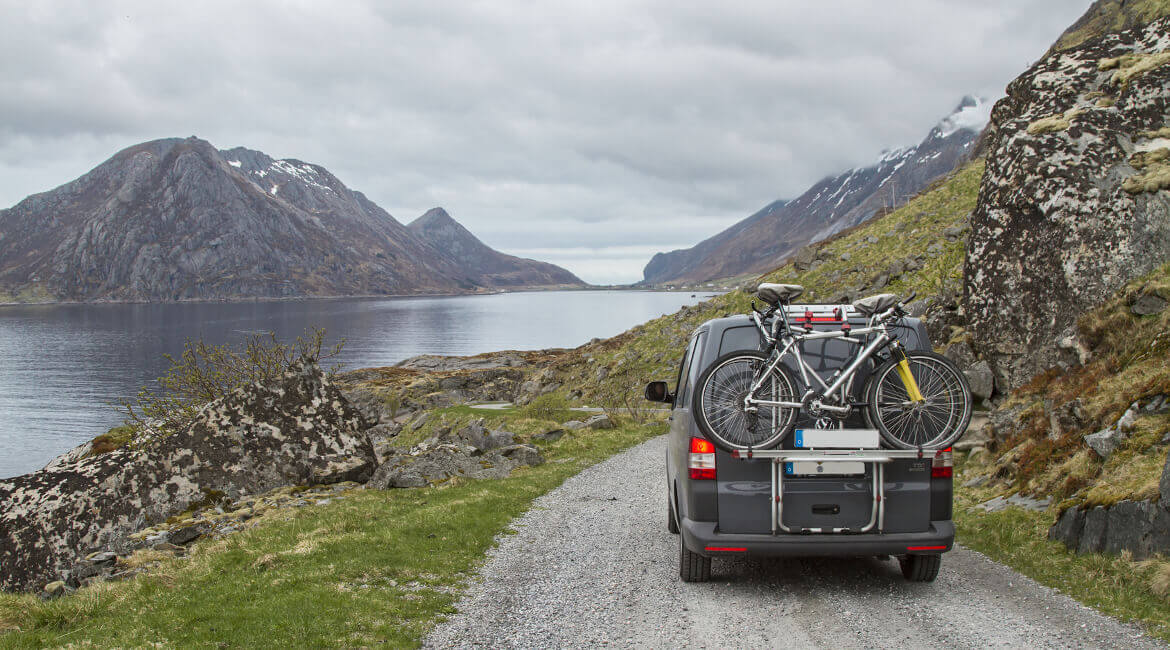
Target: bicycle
{"x":750,"y":400}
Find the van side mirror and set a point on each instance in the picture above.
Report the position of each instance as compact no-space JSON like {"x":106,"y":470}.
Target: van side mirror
{"x":656,"y":391}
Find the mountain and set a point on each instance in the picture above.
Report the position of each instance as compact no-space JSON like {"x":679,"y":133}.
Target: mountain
{"x":759,"y":243}
{"x":177,"y":219}
{"x":481,"y":264}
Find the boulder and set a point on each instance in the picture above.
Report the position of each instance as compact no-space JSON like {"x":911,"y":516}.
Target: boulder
{"x":1068,"y":527}
{"x":804,"y":258}
{"x":981,"y":380}
{"x":187,"y":534}
{"x":1093,"y":533}
{"x":425,"y":465}
{"x":599,"y":421}
{"x":1128,"y":420}
{"x":1164,"y":484}
{"x":1105,"y":441}
{"x":961,"y":354}
{"x":522,"y":454}
{"x":256,"y":439}
{"x":1148,"y":305}
{"x":1062,"y":221}
{"x":55,"y":589}
{"x":549,"y":436}
{"x":575,"y":425}
{"x":102,"y":558}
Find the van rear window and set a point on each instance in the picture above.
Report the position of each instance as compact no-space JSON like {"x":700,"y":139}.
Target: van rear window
{"x":739,"y":338}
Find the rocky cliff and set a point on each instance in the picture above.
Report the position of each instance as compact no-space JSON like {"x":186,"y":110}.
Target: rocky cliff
{"x":1073,"y":203}
{"x":481,"y":264}
{"x":759,"y":243}
{"x":177,"y":219}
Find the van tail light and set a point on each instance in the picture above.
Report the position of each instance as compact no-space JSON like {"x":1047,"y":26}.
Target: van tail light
{"x":943,"y":465}
{"x":702,"y":460}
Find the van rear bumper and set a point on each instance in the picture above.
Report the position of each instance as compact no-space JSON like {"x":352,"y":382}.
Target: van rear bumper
{"x":701,"y":537}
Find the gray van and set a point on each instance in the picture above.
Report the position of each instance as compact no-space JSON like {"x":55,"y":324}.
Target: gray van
{"x":724,"y":504}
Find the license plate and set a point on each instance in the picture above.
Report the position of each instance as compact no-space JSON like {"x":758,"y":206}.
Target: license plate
{"x":814,"y":468}
{"x":831,"y":439}
{"x":836,"y":439}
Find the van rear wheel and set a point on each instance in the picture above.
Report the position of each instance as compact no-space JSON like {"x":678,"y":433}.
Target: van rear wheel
{"x":920,"y":568}
{"x":692,"y":567}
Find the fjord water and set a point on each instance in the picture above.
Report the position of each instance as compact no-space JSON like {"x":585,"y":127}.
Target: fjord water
{"x":62,"y":366}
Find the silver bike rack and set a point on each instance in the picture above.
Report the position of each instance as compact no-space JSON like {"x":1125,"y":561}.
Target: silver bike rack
{"x":876,"y":457}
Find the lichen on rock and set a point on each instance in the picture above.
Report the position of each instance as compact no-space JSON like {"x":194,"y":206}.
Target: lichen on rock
{"x":299,"y":431}
{"x":1155,"y":171}
{"x":1062,"y":221}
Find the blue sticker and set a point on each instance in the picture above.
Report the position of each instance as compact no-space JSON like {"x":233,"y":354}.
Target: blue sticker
{"x":799,"y":438}
{"x":788,"y":469}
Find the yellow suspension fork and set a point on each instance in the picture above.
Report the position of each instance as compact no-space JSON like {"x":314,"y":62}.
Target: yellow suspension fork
{"x":907,"y":376}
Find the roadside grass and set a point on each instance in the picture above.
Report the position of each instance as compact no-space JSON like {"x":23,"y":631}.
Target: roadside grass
{"x":1128,"y":364}
{"x":376,"y":567}
{"x":1018,"y":538}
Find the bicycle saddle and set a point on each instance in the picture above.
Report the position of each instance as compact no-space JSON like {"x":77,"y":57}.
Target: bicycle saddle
{"x":775,"y":293}
{"x":875,"y":304}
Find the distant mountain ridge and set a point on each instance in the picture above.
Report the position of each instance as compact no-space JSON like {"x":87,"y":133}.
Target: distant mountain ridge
{"x":478,"y":260}
{"x":760,"y":242}
{"x":177,"y":219}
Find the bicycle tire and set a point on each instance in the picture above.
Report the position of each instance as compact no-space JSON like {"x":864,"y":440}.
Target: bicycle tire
{"x":936,"y":424}
{"x":718,"y":403}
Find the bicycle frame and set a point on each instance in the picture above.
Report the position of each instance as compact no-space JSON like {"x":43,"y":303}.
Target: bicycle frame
{"x":790,"y":339}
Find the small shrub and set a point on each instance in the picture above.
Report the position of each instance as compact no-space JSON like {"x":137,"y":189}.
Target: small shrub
{"x":550,"y":406}
{"x":203,"y":373}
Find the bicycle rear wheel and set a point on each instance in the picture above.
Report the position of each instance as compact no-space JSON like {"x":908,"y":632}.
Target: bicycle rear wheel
{"x":719,"y":402}
{"x":937,"y":421}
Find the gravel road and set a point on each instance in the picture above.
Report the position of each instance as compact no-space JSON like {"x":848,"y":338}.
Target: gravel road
{"x":592,"y":564}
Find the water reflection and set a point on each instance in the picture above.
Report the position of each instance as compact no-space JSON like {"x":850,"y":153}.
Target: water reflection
{"x":62,"y":365}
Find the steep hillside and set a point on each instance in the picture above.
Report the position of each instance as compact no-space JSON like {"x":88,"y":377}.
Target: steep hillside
{"x":178,"y":220}
{"x":1109,"y":17}
{"x":482,"y":265}
{"x":761,"y":241}
{"x":918,"y":247}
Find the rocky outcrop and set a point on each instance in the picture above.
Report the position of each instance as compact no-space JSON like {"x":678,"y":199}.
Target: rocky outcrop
{"x":176,"y":219}
{"x":759,"y":243}
{"x":482,"y":265}
{"x":298,"y":431}
{"x":1140,"y":527}
{"x":471,"y":452}
{"x":1073,"y":202}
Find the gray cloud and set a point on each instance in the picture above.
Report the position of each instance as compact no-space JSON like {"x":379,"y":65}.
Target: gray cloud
{"x":586,"y":133}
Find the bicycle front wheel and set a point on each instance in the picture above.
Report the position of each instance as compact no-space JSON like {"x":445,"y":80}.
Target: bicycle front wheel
{"x":720,"y":409}
{"x":935,"y":421}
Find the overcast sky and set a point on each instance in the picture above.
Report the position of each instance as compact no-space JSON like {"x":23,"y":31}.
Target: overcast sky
{"x":590,"y":134}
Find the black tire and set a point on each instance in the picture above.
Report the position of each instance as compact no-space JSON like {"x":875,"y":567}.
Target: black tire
{"x":920,"y":568}
{"x":671,"y":522}
{"x":692,"y":567}
{"x":718,"y":403}
{"x":937,"y":423}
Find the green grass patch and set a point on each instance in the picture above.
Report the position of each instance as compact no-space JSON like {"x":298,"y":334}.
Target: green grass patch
{"x":377,"y":567}
{"x":1114,"y":585}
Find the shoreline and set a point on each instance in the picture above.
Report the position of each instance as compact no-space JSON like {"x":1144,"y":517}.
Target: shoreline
{"x":541,"y":289}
